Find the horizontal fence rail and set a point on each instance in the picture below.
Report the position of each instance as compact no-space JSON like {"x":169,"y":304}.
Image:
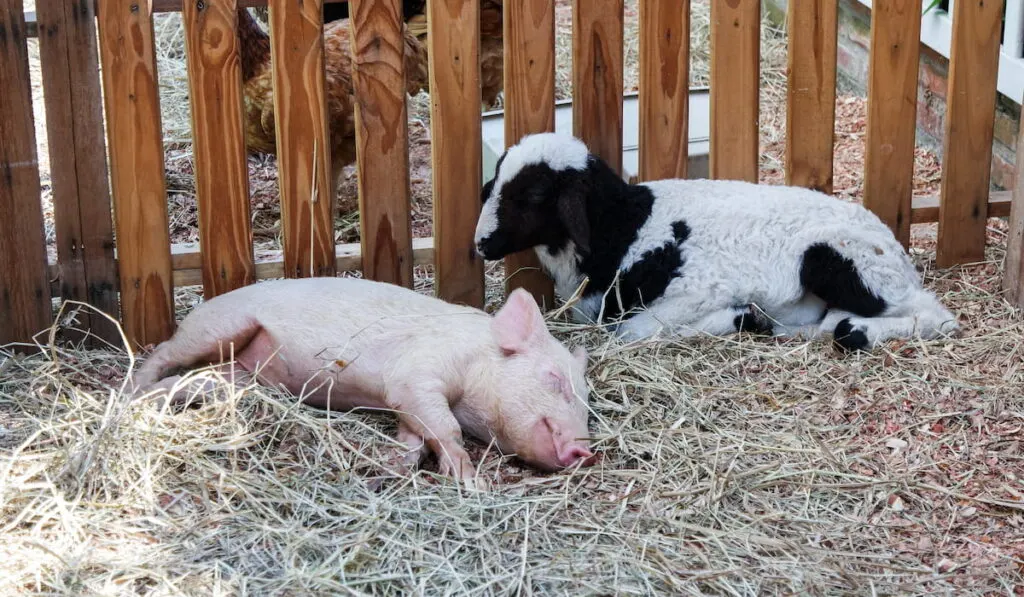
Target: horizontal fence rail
{"x":145,"y":267}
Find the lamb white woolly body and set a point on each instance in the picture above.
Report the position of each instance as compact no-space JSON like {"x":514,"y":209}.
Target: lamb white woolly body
{"x":711,"y":255}
{"x":746,"y":245}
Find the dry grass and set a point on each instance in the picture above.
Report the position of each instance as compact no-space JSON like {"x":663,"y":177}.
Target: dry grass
{"x":729,"y":466}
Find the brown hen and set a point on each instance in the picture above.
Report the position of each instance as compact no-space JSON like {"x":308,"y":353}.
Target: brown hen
{"x":491,"y":47}
{"x":258,"y":87}
{"x":491,"y":38}
{"x":492,"y":66}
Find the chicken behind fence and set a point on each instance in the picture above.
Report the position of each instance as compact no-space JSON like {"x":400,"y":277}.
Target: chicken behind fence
{"x":258,"y":87}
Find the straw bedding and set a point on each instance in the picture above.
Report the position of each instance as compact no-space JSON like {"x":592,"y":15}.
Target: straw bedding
{"x":732,"y":466}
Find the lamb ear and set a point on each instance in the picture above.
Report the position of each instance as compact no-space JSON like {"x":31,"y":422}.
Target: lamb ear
{"x":572,"y":211}
{"x":518,"y":324}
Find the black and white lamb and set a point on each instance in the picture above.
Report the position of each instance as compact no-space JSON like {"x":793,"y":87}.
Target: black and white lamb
{"x":689,"y":257}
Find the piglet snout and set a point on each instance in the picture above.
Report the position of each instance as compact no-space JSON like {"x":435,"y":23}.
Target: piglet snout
{"x":565,"y":450}
{"x":571,"y":453}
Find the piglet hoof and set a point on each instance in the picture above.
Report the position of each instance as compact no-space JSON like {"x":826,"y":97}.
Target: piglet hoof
{"x":159,"y":394}
{"x":476,"y":484}
{"x":460,"y":468}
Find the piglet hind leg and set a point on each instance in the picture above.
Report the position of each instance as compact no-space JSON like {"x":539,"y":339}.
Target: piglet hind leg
{"x":198,"y":340}
{"x":181,"y":390}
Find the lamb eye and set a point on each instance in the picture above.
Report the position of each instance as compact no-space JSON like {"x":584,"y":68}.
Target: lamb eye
{"x":535,"y":198}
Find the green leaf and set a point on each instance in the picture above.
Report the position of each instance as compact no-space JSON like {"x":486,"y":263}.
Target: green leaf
{"x":932,"y":4}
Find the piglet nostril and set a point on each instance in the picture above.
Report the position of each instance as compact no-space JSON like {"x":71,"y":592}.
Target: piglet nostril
{"x":575,"y":454}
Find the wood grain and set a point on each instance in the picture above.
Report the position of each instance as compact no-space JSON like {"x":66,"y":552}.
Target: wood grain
{"x":454,"y":48}
{"x":24,"y":300}
{"x":132,"y":107}
{"x":270,"y":264}
{"x":892,"y":113}
{"x":1013,"y":277}
{"x":925,"y":210}
{"x":221,"y":166}
{"x":735,"y":93}
{"x":303,"y":149}
{"x":970,"y":120}
{"x":176,"y":5}
{"x":158,"y":6}
{"x":529,"y":34}
{"x":664,"y":88}
{"x":382,"y":140}
{"x":78,"y":163}
{"x":597,"y":32}
{"x":811,"y":93}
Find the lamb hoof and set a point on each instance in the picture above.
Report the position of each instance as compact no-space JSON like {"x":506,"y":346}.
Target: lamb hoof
{"x":638,"y":328}
{"x":951,"y":329}
{"x":753,"y":321}
{"x":848,"y":338}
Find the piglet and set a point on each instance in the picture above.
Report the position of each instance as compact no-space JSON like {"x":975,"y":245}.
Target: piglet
{"x":342,"y":343}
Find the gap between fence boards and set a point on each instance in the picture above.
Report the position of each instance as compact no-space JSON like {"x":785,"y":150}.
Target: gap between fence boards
{"x":185,"y":257}
{"x":32,"y":29}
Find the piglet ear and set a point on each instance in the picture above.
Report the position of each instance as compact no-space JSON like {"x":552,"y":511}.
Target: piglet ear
{"x":519,"y":324}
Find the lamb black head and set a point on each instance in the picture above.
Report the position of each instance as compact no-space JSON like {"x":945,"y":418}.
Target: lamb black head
{"x":538,"y":197}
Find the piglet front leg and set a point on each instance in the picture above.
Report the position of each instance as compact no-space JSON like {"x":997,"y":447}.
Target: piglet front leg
{"x":424,"y":414}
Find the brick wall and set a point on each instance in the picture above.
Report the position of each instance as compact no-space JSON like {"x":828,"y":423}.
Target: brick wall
{"x":854,"y":42}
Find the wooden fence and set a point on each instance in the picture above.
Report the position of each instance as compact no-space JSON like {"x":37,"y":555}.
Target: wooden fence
{"x":135,"y":279}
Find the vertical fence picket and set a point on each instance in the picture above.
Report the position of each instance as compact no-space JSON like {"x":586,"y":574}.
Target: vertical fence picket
{"x":132,"y":107}
{"x":382,"y":139}
{"x":892,"y":112}
{"x":454,"y":38}
{"x":24,"y":289}
{"x":303,"y":149}
{"x":597,"y":56}
{"x":970,"y":122}
{"x":221,"y":167}
{"x":735,"y":89}
{"x":664,"y":88}
{"x":811,"y":93}
{"x":78,"y":162}
{"x":1013,"y":280}
{"x":529,"y":34}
